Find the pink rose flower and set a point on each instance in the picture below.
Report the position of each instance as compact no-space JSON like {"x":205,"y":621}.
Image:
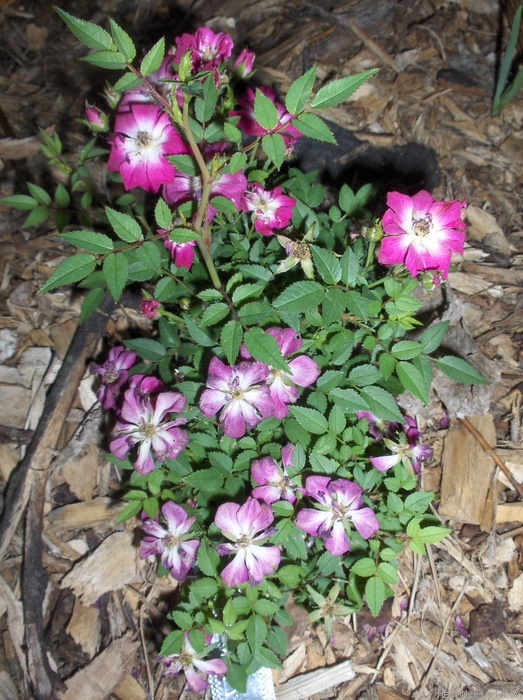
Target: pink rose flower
{"x":114,"y":372}
{"x":208,"y":50}
{"x":421,"y":233}
{"x":271,"y":209}
{"x":189,"y":661}
{"x":143,"y":137}
{"x":239,"y":393}
{"x":340,"y":505}
{"x":246,"y":526}
{"x":274,"y":483}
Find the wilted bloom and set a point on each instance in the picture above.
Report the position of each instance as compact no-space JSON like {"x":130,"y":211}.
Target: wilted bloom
{"x":303,"y":371}
{"x":241,"y":525}
{"x":271,"y":209}
{"x":422,"y":233}
{"x":114,"y":372}
{"x":378,"y":428}
{"x":96,"y":120}
{"x":189,"y":661}
{"x":250,"y":126}
{"x":143,"y":423}
{"x":340,"y":504}
{"x":244,"y":64}
{"x":407,"y":454}
{"x":177,"y":553}
{"x":208,"y":50}
{"x":143,"y":137}
{"x":240,"y":393}
{"x":149,"y":308}
{"x":297,"y":252}
{"x":273,"y":481}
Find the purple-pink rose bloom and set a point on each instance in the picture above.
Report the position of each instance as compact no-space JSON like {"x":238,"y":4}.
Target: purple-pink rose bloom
{"x":246,"y":526}
{"x":421,"y":233}
{"x":271,"y":209}
{"x":144,"y":136}
{"x":282,"y":385}
{"x":176,"y":552}
{"x":142,"y":423}
{"x":273,"y":481}
{"x":239,"y":393}
{"x":340,"y":504}
{"x":189,"y":661}
{"x":208,"y":50}
{"x":114,"y":372}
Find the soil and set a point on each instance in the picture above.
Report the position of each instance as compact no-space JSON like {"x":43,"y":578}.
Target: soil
{"x":79,"y":615}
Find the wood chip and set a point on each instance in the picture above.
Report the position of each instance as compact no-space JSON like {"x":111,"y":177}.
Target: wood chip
{"x":98,"y":680}
{"x":308,"y":684}
{"x":467,"y":473}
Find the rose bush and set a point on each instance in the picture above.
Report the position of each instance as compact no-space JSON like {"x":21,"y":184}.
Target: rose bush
{"x":262,"y":420}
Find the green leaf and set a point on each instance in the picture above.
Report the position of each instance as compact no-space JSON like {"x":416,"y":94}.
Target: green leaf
{"x":91,"y":302}
{"x":89,"y":34}
{"x":200,"y":337}
{"x":185,"y":164}
{"x":226,"y":206}
{"x":265,"y":111}
{"x":149,"y":255}
{"x":382,"y":404}
{"x":130,"y":510}
{"x":363,"y":375}
{"x":406,"y":349}
{"x":310,"y":419}
{"x":338,"y":91}
{"x":146,"y":348}
{"x":413,"y":381}
{"x":183,"y":235}
{"x":460,"y":370}
{"x":300,"y":91}
{"x":237,"y":678}
{"x":327,"y":264}
{"x":41,"y":196}
{"x":62,"y":196}
{"x":375,"y":594}
{"x":182,"y":619}
{"x":348,"y":400}
{"x":116,"y":273}
{"x":19,"y":201}
{"x":110,"y":60}
{"x":129,"y":81}
{"x":208,"y":558}
{"x":256,"y":632}
{"x":37,"y":216}
{"x":207,"y":480}
{"x":89,"y":240}
{"x":314,"y":127}
{"x":214,"y":313}
{"x":231,"y":340}
{"x":350,"y":267}
{"x":204,"y":106}
{"x":264,"y":348}
{"x":163,"y":215}
{"x":330,"y":379}
{"x":300,"y":297}
{"x":388,"y":574}
{"x":237,"y":162}
{"x":122,"y":40}
{"x":71,"y":270}
{"x":173,"y":643}
{"x":247,"y":291}
{"x":274,"y":148}
{"x":432,"y":338}
{"x":433,"y":533}
{"x":125,"y":227}
{"x":364,"y":567}
{"x":333,"y":305}
{"x":152,"y":60}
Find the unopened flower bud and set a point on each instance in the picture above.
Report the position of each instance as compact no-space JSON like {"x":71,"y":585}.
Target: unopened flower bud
{"x":243,"y":66}
{"x":374,"y":232}
{"x":112,"y":98}
{"x":97,"y":120}
{"x":185,"y":67}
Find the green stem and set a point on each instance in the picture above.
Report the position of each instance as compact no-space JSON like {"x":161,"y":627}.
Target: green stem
{"x":370,"y":253}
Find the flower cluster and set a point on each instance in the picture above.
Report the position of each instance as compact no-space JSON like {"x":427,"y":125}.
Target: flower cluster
{"x":260,"y":427}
